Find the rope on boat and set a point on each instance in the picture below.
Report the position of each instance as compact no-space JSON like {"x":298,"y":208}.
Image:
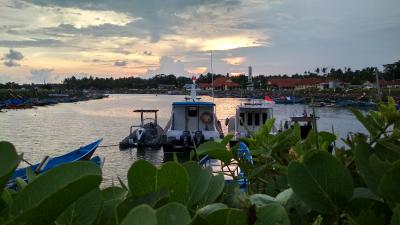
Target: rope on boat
{"x":107,"y":146}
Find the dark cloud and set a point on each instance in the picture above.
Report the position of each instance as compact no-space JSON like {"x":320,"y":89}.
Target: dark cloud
{"x":157,"y":17}
{"x":120,"y":63}
{"x":30,"y":43}
{"x":12,"y":57}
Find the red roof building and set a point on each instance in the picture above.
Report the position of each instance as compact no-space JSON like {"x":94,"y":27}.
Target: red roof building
{"x":220,"y":83}
{"x":296,"y":83}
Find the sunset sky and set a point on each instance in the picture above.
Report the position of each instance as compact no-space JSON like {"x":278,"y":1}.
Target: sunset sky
{"x":47,"y":40}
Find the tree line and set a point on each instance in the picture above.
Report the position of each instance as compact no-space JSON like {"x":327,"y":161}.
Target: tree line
{"x":347,"y":74}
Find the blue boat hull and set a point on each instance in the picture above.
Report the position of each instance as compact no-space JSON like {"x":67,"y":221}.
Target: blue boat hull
{"x":83,"y":153}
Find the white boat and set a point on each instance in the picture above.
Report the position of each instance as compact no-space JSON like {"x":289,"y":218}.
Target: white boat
{"x":250,"y":116}
{"x":192,"y":122}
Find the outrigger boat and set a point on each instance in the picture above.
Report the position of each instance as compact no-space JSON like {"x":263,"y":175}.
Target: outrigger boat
{"x":83,"y":153}
{"x":146,"y":134}
{"x":192,"y":122}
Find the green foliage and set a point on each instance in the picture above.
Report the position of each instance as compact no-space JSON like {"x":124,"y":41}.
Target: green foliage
{"x":9,"y":162}
{"x":321,"y":182}
{"x":291,"y":182}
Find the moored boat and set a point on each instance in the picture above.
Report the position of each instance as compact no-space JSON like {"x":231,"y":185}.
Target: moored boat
{"x":250,"y":116}
{"x":147,"y":133}
{"x":82,"y":153}
{"x":192,"y":122}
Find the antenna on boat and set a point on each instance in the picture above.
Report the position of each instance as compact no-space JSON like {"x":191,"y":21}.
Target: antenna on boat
{"x":212,"y":75}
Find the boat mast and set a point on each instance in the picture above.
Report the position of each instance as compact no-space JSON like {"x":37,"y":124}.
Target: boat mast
{"x":212,"y":76}
{"x":193,"y":90}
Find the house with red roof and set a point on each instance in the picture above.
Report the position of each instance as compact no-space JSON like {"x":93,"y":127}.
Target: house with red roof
{"x":220,"y":83}
{"x":297,"y":83}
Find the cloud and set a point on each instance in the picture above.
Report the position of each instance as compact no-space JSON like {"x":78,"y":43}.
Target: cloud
{"x":30,"y":43}
{"x":120,"y":63}
{"x":169,"y":65}
{"x":234,"y":60}
{"x":12,"y":57}
{"x":41,"y":75}
{"x":147,"y":53}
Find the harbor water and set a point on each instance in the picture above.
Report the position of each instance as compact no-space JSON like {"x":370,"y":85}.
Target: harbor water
{"x":58,"y":129}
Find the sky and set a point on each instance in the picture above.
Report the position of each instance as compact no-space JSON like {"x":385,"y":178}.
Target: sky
{"x":48,"y":40}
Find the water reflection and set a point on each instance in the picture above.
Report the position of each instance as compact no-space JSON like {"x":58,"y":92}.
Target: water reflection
{"x":56,"y":130}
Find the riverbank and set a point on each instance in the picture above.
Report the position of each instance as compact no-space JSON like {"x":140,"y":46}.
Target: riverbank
{"x":25,"y":99}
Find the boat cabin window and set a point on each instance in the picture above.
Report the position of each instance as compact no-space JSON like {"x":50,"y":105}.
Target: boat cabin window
{"x":256,"y":119}
{"x":192,"y":111}
{"x":249,"y":119}
{"x":264,"y":117}
{"x":241,"y":119}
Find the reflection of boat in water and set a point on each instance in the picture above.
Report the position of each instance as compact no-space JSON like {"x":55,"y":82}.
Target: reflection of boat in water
{"x":147,"y":134}
{"x":192,"y":123}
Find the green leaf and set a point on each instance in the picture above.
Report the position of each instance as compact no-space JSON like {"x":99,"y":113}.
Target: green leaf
{"x":362,"y":158}
{"x":261,"y":199}
{"x":41,"y":201}
{"x":396,"y":216}
{"x":208,"y":209}
{"x":173,"y":213}
{"x":215,"y":150}
{"x":84,"y":211}
{"x":129,"y":203}
{"x":21,"y":184}
{"x":30,"y":174}
{"x":199,"y":180}
{"x":9,"y":161}
{"x":284,"y":196}
{"x":142,"y":178}
{"x":215,"y":188}
{"x":141,"y":215}
{"x":111,"y":197}
{"x":365,"y":193}
{"x":321,"y":181}
{"x":174,"y":177}
{"x":272,"y":214}
{"x":227,"y":217}
{"x":226,"y":139}
{"x":389,"y":185}
{"x":368,"y":124}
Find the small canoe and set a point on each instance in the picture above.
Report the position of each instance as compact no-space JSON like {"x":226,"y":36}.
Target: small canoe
{"x":83,"y":153}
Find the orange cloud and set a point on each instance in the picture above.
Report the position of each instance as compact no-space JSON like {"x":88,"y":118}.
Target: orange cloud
{"x":234,"y":60}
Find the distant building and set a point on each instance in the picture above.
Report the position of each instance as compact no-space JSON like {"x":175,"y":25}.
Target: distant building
{"x":390,"y":83}
{"x":221,"y":83}
{"x":166,"y":86}
{"x":297,"y":83}
{"x":250,"y":85}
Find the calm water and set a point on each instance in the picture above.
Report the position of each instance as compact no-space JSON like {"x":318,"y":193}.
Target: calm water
{"x":55,"y":130}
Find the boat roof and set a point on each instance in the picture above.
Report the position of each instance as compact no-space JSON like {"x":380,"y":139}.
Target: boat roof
{"x":146,"y":110}
{"x":255,"y":106}
{"x":194,"y":103}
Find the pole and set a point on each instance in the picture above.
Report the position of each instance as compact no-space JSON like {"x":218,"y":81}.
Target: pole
{"x":378,"y":86}
{"x":212,"y":76}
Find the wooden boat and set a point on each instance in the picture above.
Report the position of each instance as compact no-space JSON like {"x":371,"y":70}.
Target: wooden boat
{"x":147,"y":134}
{"x":83,"y":153}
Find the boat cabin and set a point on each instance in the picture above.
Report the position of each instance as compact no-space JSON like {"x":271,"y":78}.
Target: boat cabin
{"x":249,"y":118}
{"x":192,"y":123}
